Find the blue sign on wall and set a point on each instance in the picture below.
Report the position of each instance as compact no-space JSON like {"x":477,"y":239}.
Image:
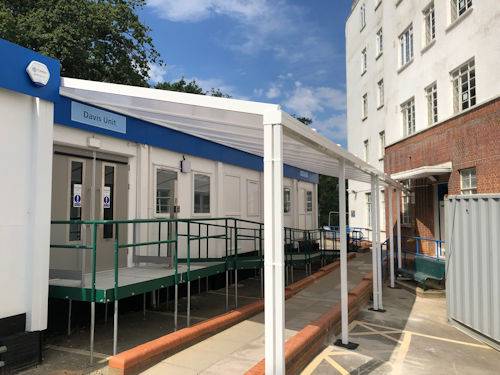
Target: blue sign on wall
{"x":100,"y":118}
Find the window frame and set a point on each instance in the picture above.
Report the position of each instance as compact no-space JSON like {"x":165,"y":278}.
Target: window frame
{"x":364,"y":106}
{"x":381,"y":137}
{"x":429,"y":29}
{"x":71,"y":191}
{"x":366,"y":150}
{"x":362,"y":14}
{"x":455,"y":10}
{"x":309,"y":208}
{"x":379,"y":42}
{"x":289,"y":211}
{"x":380,"y":93}
{"x":193,"y":210}
{"x":406,"y":46}
{"x":155,"y":187}
{"x":364,"y":61}
{"x":472,"y":188}
{"x":408,"y":113}
{"x":369,"y":207}
{"x":106,"y":227}
{"x":432,"y":104}
{"x":407,"y":202}
{"x":456,"y":76}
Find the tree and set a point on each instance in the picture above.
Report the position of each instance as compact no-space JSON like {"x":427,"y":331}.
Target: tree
{"x":328,"y":192}
{"x":190,"y":87}
{"x":97,"y":40}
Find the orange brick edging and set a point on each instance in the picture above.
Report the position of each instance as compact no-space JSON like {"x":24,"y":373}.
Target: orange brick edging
{"x":134,"y":360}
{"x":304,"y":346}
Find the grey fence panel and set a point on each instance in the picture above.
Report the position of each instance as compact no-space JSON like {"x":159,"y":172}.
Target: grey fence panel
{"x":473,"y":262}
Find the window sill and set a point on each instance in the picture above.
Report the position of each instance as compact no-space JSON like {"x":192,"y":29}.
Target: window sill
{"x":405,"y":66}
{"x":364,"y":118}
{"x":363,"y":73}
{"x":381,"y":159}
{"x":428,"y":46}
{"x":378,"y":56}
{"x":398,"y":2}
{"x":453,"y":24}
{"x":380,"y":107}
{"x":378,"y":4}
{"x":364,"y":27}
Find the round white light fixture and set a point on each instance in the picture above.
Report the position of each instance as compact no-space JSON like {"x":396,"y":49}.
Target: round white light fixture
{"x":38,"y":73}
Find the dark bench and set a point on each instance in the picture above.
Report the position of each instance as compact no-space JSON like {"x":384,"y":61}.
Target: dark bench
{"x":425,"y":271}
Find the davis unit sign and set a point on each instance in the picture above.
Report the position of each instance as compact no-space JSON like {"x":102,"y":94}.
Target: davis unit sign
{"x":99,"y":118}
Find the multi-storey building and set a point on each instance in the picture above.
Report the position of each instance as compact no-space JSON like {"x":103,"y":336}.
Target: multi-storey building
{"x":423,"y":85}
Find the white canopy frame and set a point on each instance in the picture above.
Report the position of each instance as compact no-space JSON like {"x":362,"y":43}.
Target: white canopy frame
{"x":267,"y":131}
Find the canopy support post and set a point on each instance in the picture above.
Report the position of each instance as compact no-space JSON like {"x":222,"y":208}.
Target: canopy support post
{"x":398,"y":211}
{"x":391,"y":237}
{"x":274,"y":305}
{"x":374,"y":242}
{"x":378,"y":246}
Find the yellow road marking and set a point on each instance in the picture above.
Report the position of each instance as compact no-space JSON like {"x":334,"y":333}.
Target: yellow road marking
{"x":379,"y":332}
{"x":337,"y":367}
{"x":402,"y":352}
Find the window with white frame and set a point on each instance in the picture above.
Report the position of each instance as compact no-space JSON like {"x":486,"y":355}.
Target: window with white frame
{"x":287,"y":200}
{"x":408,"y":200}
{"x":380,"y":42}
{"x":309,"y":201}
{"x":464,"y":86}
{"x":362,"y":16}
{"x":363,"y":61}
{"x":459,"y":7}
{"x":468,"y":181}
{"x":430,"y":24}
{"x":381,"y":137}
{"x":406,"y":46}
{"x":201,"y":194}
{"x":380,"y":93}
{"x":165,"y":190}
{"x":432,"y":105}
{"x":366,"y":150}
{"x":408,"y":111}
{"x":364,"y":107}
{"x":369,"y":209}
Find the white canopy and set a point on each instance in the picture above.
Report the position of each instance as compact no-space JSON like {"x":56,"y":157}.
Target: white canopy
{"x":234,"y":123}
{"x":422,"y":172}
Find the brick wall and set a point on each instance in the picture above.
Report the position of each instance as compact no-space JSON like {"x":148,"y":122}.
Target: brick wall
{"x":468,"y":140}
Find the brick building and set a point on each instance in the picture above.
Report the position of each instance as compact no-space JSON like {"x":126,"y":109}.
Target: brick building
{"x":457,"y":156}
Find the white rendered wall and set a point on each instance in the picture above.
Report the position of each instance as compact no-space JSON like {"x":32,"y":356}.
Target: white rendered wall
{"x":475,"y":35}
{"x":26,"y":165}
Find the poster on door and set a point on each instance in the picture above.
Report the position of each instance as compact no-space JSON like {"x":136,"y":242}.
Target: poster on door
{"x":106,"y":197}
{"x":77,"y":195}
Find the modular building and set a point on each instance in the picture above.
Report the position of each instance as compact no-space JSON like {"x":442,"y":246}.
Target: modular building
{"x":81,"y":150}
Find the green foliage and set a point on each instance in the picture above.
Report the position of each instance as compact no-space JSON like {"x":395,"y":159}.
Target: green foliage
{"x":190,"y":87}
{"x":305,"y":120}
{"x":100,"y":40}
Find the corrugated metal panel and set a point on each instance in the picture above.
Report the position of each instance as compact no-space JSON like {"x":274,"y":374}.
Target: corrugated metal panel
{"x":473,"y":262}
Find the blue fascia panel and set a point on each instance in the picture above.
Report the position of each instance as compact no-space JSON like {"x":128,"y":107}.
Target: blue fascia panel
{"x":13,"y":62}
{"x":144,"y":132}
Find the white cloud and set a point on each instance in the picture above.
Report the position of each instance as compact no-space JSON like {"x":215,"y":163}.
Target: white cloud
{"x":334,"y":127}
{"x":308,"y":101}
{"x":157,"y":73}
{"x":273,"y":92}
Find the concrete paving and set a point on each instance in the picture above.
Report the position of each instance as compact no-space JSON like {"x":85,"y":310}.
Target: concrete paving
{"x":411,"y":337}
{"x":238,"y":348}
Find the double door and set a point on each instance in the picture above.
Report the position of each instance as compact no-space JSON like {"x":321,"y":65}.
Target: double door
{"x":88,"y":185}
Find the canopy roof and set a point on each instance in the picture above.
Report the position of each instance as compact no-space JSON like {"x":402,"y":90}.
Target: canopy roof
{"x":235,"y":123}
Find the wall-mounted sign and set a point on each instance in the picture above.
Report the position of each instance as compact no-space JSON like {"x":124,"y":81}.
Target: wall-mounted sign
{"x":106,"y":197}
{"x":38,"y":73}
{"x":77,"y":195}
{"x":98,"y":117}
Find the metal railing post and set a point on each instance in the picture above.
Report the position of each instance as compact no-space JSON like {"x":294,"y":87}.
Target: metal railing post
{"x":115,"y":316}
{"x":92,"y":304}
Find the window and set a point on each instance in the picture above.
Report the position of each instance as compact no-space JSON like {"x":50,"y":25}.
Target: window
{"x":201,"y":194}
{"x":366,"y":150}
{"x":369,"y":209}
{"x":459,"y":7}
{"x":408,"y":110}
{"x":309,"y":201}
{"x":362,"y":16}
{"x":108,"y":199}
{"x":75,"y":211}
{"x":381,"y":137}
{"x":379,"y":42}
{"x":363,"y":61}
{"x":165,"y":191}
{"x":432,"y":109}
{"x":468,"y":181}
{"x":408,"y":198}
{"x":364,"y":107}
{"x":406,"y":46}
{"x":287,"y":200}
{"x":464,"y":87}
{"x":380,"y":94}
{"x":430,"y":24}
{"x":253,"y":198}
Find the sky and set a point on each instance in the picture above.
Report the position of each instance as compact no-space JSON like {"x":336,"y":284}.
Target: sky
{"x":288,"y":52}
